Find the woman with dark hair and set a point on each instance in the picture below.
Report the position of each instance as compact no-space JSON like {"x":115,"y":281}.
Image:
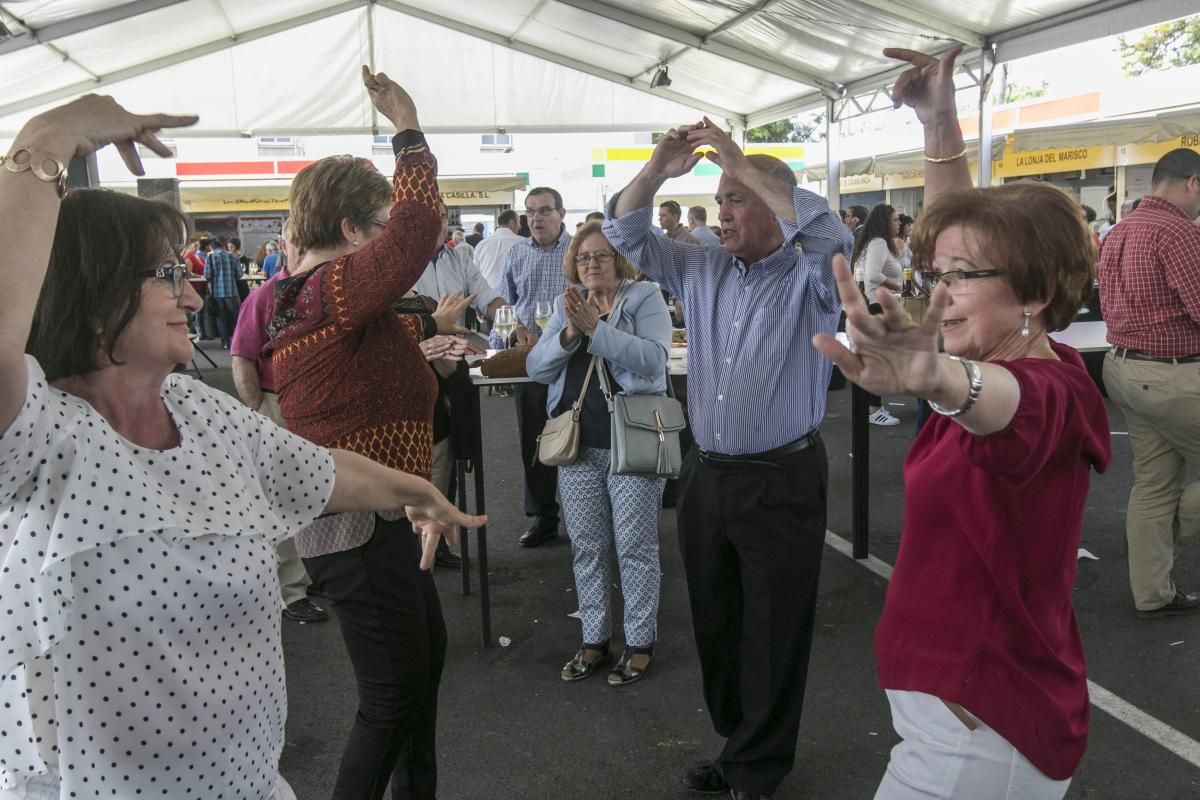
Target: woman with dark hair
{"x":350,"y":373}
{"x":978,"y":646}
{"x":138,"y":599}
{"x":875,"y":259}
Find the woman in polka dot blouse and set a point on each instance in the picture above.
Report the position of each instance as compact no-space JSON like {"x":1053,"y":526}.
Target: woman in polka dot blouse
{"x":139,"y":627}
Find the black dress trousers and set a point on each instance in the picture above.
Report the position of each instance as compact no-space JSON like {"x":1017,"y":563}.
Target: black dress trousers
{"x":541,"y":482}
{"x":752,"y":539}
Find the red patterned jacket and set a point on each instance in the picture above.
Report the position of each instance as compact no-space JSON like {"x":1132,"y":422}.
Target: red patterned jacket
{"x":348,"y":369}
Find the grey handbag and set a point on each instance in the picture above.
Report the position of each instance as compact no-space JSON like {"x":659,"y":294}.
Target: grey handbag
{"x":645,"y":431}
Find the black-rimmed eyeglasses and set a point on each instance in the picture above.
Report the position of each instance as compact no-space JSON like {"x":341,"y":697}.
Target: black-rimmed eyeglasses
{"x":956,"y":279}
{"x":176,"y":274}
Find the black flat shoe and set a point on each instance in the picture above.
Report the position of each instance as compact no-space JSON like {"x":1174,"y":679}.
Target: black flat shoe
{"x":706,"y":778}
{"x":537,"y":534}
{"x":625,"y":673}
{"x":581,"y":666}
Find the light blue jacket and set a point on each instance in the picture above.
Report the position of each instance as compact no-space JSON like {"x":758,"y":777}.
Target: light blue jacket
{"x":634,"y":341}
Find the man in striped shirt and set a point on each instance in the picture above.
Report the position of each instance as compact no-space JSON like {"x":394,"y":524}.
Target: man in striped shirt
{"x":751,"y":508}
{"x":1150,"y":297}
{"x":533,"y":273}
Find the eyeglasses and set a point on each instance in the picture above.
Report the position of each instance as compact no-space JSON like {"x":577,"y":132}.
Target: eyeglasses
{"x":956,"y":279}
{"x":544,"y":211}
{"x":176,"y":274}
{"x":601,"y":257}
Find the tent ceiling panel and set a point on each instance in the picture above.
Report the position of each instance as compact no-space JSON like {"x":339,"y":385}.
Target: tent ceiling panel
{"x":142,"y":37}
{"x":751,"y":60}
{"x":25,"y":73}
{"x":245,"y":16}
{"x":740,"y":86}
{"x":628,"y":55}
{"x":503,"y":19}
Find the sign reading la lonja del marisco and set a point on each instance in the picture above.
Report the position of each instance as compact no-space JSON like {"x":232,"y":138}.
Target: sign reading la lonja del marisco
{"x":1059,"y":159}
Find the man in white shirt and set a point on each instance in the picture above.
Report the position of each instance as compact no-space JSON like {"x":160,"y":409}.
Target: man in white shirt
{"x":453,"y":269}
{"x":492,"y":251}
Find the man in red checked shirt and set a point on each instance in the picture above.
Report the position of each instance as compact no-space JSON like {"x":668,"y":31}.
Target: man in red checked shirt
{"x":1150,"y":297}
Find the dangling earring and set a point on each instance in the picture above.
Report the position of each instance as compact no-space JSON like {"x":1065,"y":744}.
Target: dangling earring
{"x":1025,"y":324}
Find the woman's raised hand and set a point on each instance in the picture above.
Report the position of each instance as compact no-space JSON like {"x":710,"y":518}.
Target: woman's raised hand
{"x":928,"y":87}
{"x":892,"y":354}
{"x":391,"y":100}
{"x":83,"y":126}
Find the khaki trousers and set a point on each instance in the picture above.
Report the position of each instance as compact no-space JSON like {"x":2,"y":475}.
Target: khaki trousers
{"x":443,"y":463}
{"x":293,"y":579}
{"x":1161,"y":403}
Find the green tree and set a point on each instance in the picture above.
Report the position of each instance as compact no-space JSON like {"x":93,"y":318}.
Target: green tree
{"x":1171,"y":44}
{"x":792,"y":129}
{"x":1016,"y":91}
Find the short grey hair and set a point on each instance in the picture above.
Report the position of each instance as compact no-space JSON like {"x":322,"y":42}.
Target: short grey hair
{"x":774,"y":167}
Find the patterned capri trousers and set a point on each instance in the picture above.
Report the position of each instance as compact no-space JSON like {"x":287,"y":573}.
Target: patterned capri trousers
{"x":604,"y":513}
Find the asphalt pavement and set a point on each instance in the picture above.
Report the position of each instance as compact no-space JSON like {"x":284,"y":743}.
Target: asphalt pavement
{"x":510,"y":728}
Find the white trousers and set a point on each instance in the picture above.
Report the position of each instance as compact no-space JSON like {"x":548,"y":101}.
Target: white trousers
{"x":941,"y":759}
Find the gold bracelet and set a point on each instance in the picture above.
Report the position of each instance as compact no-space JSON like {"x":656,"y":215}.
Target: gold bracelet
{"x":947,"y":159}
{"x":35,"y":163}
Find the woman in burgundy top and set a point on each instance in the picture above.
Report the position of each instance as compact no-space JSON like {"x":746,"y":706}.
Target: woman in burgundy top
{"x":349,"y":370}
{"x":978,"y":647}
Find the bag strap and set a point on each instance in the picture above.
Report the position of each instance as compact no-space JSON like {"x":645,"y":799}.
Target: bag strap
{"x":578,"y":404}
{"x":604,"y":385}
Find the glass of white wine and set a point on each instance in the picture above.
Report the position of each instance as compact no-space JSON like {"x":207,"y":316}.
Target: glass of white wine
{"x":505,"y":324}
{"x":542,"y":312}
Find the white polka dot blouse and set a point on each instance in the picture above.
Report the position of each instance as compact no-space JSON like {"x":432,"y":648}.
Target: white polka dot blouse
{"x":139,"y":607}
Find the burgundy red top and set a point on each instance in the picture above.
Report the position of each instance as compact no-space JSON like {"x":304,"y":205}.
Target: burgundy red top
{"x":1149,"y":281}
{"x":979,"y":607}
{"x":348,"y":370}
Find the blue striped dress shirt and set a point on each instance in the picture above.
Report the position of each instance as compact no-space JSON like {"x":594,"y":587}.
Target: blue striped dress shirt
{"x":755,"y":382}
{"x":533,"y":274}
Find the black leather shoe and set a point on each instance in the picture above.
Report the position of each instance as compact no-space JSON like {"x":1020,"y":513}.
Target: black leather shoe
{"x":1180,"y":604}
{"x":706,"y":778}
{"x":538,"y":534}
{"x":447,"y":560}
{"x":305,"y":610}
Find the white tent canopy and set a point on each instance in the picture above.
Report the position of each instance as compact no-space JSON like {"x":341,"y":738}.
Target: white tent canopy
{"x":290,"y":66}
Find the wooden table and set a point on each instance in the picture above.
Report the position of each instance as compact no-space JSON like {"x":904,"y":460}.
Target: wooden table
{"x":1086,"y":337}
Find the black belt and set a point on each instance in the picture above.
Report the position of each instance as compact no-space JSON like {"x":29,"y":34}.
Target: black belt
{"x":1138,"y":355}
{"x":769,"y":458}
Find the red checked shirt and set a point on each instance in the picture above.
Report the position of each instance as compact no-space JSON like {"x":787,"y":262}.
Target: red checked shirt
{"x":1150,"y":281}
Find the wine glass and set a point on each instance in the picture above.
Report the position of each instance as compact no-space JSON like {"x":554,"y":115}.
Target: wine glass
{"x":505,"y":324}
{"x":541,"y":314}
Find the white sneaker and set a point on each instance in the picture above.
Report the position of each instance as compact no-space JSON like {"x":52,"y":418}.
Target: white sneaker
{"x":883,"y":417}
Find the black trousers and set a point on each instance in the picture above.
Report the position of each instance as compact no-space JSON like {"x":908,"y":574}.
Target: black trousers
{"x":752,"y":539}
{"x":392,"y":625}
{"x":541,"y":482}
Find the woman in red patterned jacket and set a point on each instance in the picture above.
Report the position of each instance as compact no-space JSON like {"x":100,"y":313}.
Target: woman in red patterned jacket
{"x":349,"y":370}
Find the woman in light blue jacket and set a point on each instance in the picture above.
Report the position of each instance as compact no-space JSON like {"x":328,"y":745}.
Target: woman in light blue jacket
{"x":627,"y":325}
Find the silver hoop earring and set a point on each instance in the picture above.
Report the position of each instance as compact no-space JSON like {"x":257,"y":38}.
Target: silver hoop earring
{"x":1025,"y":324}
